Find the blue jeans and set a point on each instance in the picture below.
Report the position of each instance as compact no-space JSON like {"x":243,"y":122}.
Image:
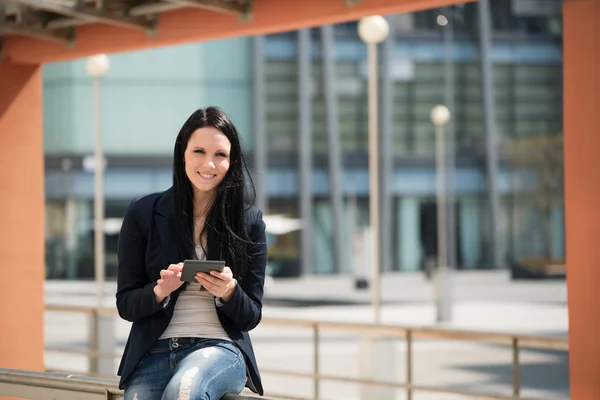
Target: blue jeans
{"x":188,"y":369}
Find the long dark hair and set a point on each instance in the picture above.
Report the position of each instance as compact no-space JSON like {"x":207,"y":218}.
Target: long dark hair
{"x":226,"y":237}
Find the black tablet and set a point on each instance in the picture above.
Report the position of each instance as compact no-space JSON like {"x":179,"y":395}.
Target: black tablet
{"x":192,"y":267}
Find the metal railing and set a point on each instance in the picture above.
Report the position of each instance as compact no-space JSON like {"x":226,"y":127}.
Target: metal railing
{"x":46,"y":386}
{"x":39,"y":385}
{"x":368,"y":332}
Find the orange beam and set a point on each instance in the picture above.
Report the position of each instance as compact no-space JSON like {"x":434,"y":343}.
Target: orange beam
{"x":190,"y":25}
{"x":582,"y":193}
{"x":22,"y":263}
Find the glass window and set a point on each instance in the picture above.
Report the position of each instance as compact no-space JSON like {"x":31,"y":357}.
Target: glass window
{"x":284,"y":257}
{"x":282,"y":106}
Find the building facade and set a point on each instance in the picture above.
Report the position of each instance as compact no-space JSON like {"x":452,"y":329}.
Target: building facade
{"x":299,"y":100}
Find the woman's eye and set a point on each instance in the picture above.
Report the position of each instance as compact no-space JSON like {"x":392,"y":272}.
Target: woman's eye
{"x":199,"y":151}
{"x":221,"y":154}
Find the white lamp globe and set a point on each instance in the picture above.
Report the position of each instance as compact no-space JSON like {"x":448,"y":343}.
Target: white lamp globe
{"x":97,"y":66}
{"x":373,"y":29}
{"x":442,"y":20}
{"x":440,"y":115}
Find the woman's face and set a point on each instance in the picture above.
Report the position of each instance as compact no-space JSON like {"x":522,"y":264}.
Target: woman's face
{"x":207,"y":158}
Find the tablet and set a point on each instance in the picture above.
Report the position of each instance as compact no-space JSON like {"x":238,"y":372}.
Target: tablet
{"x":192,"y":267}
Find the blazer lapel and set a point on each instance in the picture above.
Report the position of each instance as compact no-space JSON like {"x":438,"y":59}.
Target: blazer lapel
{"x":166,"y":227}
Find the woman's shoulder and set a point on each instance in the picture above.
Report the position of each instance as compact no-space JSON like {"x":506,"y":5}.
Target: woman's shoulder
{"x":147,"y":203}
{"x":252,"y":215}
{"x":139,"y":213}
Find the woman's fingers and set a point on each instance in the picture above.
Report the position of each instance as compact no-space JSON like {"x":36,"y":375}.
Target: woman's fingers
{"x":170,"y":274}
{"x":206,"y":283}
{"x":225,"y":275}
{"x":207,"y":278}
{"x":164,"y":273}
{"x":175,"y":267}
{"x":217,"y":290}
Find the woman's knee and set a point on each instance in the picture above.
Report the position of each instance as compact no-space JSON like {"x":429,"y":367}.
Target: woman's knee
{"x":187,"y":385}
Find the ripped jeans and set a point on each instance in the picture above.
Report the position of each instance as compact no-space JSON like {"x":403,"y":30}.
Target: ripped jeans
{"x":188,"y":369}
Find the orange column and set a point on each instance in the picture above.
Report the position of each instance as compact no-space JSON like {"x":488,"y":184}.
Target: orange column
{"x":582,"y":192}
{"x":21,"y":218}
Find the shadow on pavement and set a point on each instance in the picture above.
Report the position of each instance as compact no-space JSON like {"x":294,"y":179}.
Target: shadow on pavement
{"x":551,"y":376}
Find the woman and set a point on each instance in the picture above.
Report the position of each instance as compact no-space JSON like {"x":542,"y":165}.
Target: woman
{"x":191,"y":341}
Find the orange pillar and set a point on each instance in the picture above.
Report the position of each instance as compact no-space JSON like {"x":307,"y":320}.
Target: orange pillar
{"x":21,"y":218}
{"x":582,"y":192}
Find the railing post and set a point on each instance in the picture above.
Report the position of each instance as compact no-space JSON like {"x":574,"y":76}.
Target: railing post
{"x":409,"y":381}
{"x":93,"y":341}
{"x":516,"y":367}
{"x":101,"y":341}
{"x":316,"y":368}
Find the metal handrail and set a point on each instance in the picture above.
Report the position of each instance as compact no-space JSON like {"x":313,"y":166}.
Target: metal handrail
{"x":43,"y":385}
{"x":40,"y":385}
{"x":373,"y":331}
{"x":525,"y":340}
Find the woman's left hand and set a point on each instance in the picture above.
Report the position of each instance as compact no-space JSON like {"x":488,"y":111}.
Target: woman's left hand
{"x":219,"y":284}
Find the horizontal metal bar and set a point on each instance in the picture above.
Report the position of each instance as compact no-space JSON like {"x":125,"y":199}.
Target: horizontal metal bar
{"x":88,"y":14}
{"x":82,"y":352}
{"x":137,"y":11}
{"x":525,"y":341}
{"x":287,"y":397}
{"x":214,"y":5}
{"x":43,"y":393}
{"x":58,"y":36}
{"x":30,"y":383}
{"x":43,"y":385}
{"x":104,"y":311}
{"x":392,"y":385}
{"x":79,"y":373}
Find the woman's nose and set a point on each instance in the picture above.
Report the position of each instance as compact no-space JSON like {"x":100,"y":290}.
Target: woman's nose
{"x":209,"y":163}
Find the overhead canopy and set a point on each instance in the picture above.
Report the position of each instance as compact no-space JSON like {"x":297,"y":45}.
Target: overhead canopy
{"x":55,"y":20}
{"x":35,"y":31}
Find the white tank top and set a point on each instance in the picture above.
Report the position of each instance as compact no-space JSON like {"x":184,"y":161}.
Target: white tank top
{"x":195,"y":314}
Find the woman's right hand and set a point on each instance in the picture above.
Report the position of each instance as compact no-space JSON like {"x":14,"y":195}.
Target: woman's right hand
{"x":169,"y":281}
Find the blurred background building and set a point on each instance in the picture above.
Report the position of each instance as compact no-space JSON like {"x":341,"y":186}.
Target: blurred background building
{"x":302,"y":95}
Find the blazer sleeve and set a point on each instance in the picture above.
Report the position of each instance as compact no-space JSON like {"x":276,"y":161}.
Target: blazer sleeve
{"x":135,"y":295}
{"x":244,"y":309}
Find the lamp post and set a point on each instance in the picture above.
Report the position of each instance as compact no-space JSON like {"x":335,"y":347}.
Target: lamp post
{"x":440,"y":116}
{"x":96,"y":67}
{"x":373,"y":30}
{"x":101,"y":329}
{"x":448,"y":22}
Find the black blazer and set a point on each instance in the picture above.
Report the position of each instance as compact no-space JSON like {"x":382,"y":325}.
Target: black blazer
{"x":147,"y":244}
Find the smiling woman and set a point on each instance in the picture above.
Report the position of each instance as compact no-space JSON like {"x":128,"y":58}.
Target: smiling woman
{"x":207,"y":214}
{"x":206,"y":162}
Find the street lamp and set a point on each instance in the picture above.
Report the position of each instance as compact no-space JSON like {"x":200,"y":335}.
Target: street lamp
{"x":96,"y":67}
{"x":101,"y":329}
{"x":440,"y":116}
{"x":373,"y":30}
